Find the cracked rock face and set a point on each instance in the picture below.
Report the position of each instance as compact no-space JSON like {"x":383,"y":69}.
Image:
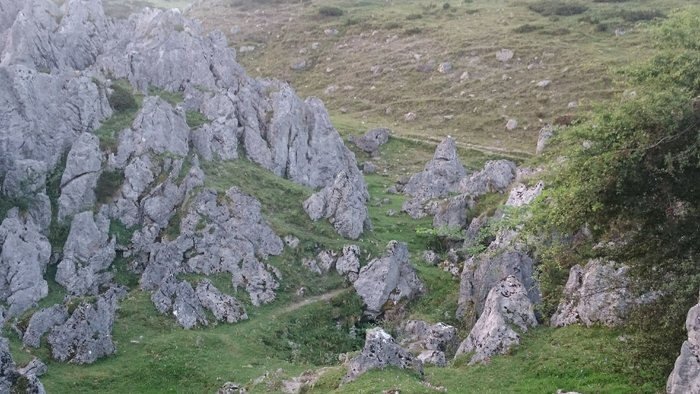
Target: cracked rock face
{"x":595,"y":294}
{"x":388,"y":279}
{"x":348,"y":264}
{"x":223,"y":306}
{"x":372,"y":140}
{"x":87,"y":254}
{"x":16,"y":380}
{"x":522,"y":195}
{"x":495,"y":177}
{"x":83,"y":168}
{"x":507,"y":306}
{"x":381,"y":351}
{"x":24,"y":255}
{"x":434,"y":343}
{"x":685,"y":377}
{"x":42,"y":322}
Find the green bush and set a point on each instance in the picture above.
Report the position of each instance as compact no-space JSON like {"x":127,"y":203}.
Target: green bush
{"x":195,"y":119}
{"x":122,"y":98}
{"x":641,"y":15}
{"x":526,"y":28}
{"x":558,"y":8}
{"x":330,"y":11}
{"x":107,"y":185}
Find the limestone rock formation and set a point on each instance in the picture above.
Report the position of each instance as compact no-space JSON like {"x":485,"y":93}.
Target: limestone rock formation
{"x":685,"y":377}
{"x":595,"y":294}
{"x":495,"y":177}
{"x":42,"y":322}
{"x":348,"y":263}
{"x":223,"y":306}
{"x":522,"y":195}
{"x":440,"y":177}
{"x":507,"y":306}
{"x":372,"y":140}
{"x":344,"y":203}
{"x":433,"y":343}
{"x":390,"y":278}
{"x":546,"y":133}
{"x":381,"y":351}
{"x":87,"y":254}
{"x":17,"y":380}
{"x":87,"y":335}
{"x":24,"y":255}
{"x":83,"y":168}
{"x":25,"y":183}
{"x":452,"y":212}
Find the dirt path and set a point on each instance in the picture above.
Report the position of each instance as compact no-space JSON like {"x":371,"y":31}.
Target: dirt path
{"x":309,"y":301}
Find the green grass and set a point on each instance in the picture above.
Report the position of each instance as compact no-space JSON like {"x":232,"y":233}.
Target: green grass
{"x":108,"y":133}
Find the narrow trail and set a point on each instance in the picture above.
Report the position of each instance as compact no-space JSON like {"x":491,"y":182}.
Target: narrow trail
{"x":311,"y":300}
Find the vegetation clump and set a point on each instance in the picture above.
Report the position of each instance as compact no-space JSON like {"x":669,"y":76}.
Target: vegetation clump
{"x":557,"y":8}
{"x":122,"y":98}
{"x":329,"y":11}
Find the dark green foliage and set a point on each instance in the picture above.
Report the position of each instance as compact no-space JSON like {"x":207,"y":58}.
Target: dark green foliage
{"x":411,"y":17}
{"x":446,"y":6}
{"x":557,"y":8}
{"x":330,"y":11}
{"x":122,"y":99}
{"x":107,"y":185}
{"x":641,"y":15}
{"x":526,"y":28}
{"x":319,"y":333}
{"x":196,"y":119}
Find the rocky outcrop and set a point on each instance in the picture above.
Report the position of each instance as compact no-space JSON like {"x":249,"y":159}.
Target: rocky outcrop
{"x":348,"y":263}
{"x":87,"y":335}
{"x":496,"y":177}
{"x":180,"y":299}
{"x":522,"y":195}
{"x":24,"y":255}
{"x":381,"y":351}
{"x":19,"y":380}
{"x":42,"y":322}
{"x":83,"y":168}
{"x":595,"y":294}
{"x":685,"y":377}
{"x":25,"y":183}
{"x":372,"y":140}
{"x":433,"y":343}
{"x":507,"y":307}
{"x":546,"y":133}
{"x":344,"y":203}
{"x":452,"y":212}
{"x":387,"y":279}
{"x":87,"y":254}
{"x":223,"y":306}
{"x":440,"y":177}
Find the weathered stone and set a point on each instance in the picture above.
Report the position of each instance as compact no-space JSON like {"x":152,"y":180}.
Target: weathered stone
{"x":79,"y":179}
{"x":430,"y":257}
{"x":452,"y":213}
{"x":685,"y":377}
{"x":546,"y":133}
{"x":504,"y":55}
{"x":433,"y":342}
{"x":223,"y":306}
{"x":390,"y":278}
{"x":216,"y":140}
{"x":595,"y":294}
{"x":42,"y":322}
{"x":158,"y":128}
{"x":344,"y":203}
{"x":522,"y":195}
{"x":87,"y":254}
{"x":507,"y":305}
{"x":35,"y":367}
{"x":381,"y":351}
{"x":348,"y":263}
{"x":372,"y":140}
{"x":496,"y":177}
{"x":25,"y":179}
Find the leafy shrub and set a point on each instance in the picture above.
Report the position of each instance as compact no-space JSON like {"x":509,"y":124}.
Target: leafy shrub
{"x":107,"y":184}
{"x":526,"y":28}
{"x":558,"y":8}
{"x":122,"y":99}
{"x":641,"y":15}
{"x":411,"y":17}
{"x":330,"y":11}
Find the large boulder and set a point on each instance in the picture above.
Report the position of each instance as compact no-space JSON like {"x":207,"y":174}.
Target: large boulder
{"x":87,"y":335}
{"x":42,"y":322}
{"x":495,"y":177}
{"x":25,"y":183}
{"x":372,"y":140}
{"x":87,"y":254}
{"x":451,"y":213}
{"x":685,"y":377}
{"x":180,"y":299}
{"x":381,"y":351}
{"x":343,"y":203}
{"x":595,"y":294}
{"x":348,"y":263}
{"x":83,"y":168}
{"x":223,"y":306}
{"x":19,"y":380}
{"x":387,"y":279}
{"x":507,"y":307}
{"x":24,"y":255}
{"x":522,"y":195}
{"x":546,"y":133}
{"x":434,"y":343}
{"x":440,"y":177}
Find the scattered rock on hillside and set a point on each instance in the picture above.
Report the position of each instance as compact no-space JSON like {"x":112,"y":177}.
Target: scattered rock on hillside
{"x":42,"y":322}
{"x":595,"y":294}
{"x":430,"y":257}
{"x":452,"y":213}
{"x":506,"y":305}
{"x":87,"y":335}
{"x":223,"y":306}
{"x":390,"y":278}
{"x":344,"y":203}
{"x":369,"y":168}
{"x":440,"y":177}
{"x":433,"y":343}
{"x":546,"y":133}
{"x":445,"y":68}
{"x":381,"y":351}
{"x":522,"y":195}
{"x":180,"y":298}
{"x":348,"y":263}
{"x":495,"y":177}
{"x":511,"y":124}
{"x":232,"y":388}
{"x":372,"y":140}
{"x":87,"y":254}
{"x":504,"y":55}
{"x":19,"y":380}
{"x":83,"y":168}
{"x":685,"y":377}
{"x":24,"y":256}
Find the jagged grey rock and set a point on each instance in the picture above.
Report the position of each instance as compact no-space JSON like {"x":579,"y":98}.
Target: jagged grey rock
{"x":381,"y":351}
{"x":344,"y":203}
{"x":372,"y":140}
{"x":507,"y":305}
{"x":440,"y":177}
{"x":25,"y":182}
{"x":390,"y":278}
{"x":42,"y":322}
{"x":546,"y":133}
{"x":685,"y":377}
{"x":180,"y":299}
{"x":223,"y":306}
{"x":326,"y":260}
{"x":22,"y":380}
{"x":217,"y":140}
{"x":35,"y":367}
{"x":433,"y":342}
{"x":83,"y":168}
{"x":8,"y":370}
{"x":481,"y":273}
{"x":158,"y":128}
{"x":522,"y":195}
{"x":348,"y":263}
{"x":452,"y":212}
{"x":24,"y":256}
{"x":87,"y":335}
{"x":495,"y":177}
{"x":430,"y":257}
{"x":595,"y":294}
{"x":87,"y":254}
